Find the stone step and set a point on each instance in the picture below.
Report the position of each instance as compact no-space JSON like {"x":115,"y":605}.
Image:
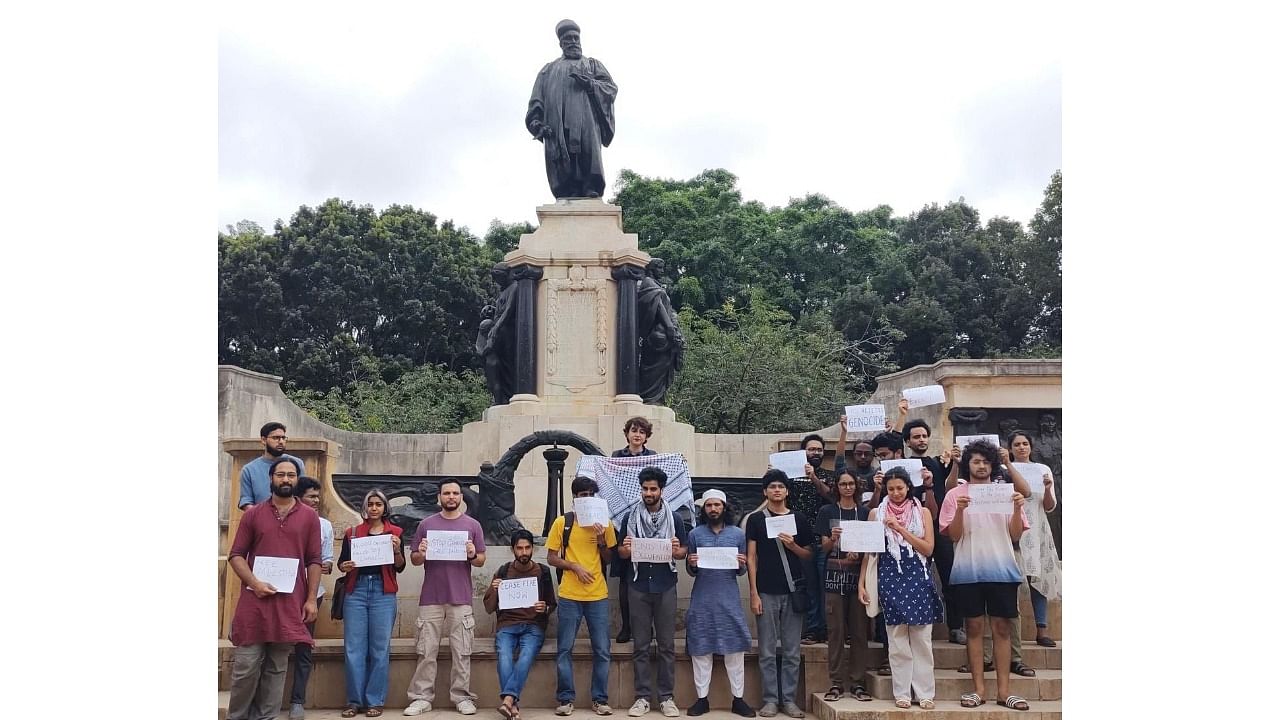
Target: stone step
{"x":527,"y":712}
{"x":950,"y":656}
{"x":850,"y":709}
{"x":950,"y":685}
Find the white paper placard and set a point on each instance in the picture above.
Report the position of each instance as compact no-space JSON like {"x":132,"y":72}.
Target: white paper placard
{"x":447,"y":544}
{"x":780,"y":524}
{"x":517,"y":593}
{"x":915,"y":466}
{"x":861,"y":536}
{"x":588,"y":511}
{"x":866,"y":496}
{"x":918,"y":397}
{"x":864,"y":418}
{"x":654,"y":550}
{"x":991,"y":498}
{"x":718,"y":558}
{"x":1033,"y":473}
{"x":964,"y":440}
{"x":280,"y":573}
{"x":373,"y":550}
{"x":791,"y":462}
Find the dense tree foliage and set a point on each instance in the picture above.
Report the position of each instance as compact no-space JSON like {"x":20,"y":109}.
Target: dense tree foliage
{"x":371,"y":315}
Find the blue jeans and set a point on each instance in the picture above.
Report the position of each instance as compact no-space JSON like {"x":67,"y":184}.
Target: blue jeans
{"x":572,"y":613}
{"x":1040,"y":608}
{"x":816,"y":616}
{"x":367,"y":619}
{"x":513,"y":669}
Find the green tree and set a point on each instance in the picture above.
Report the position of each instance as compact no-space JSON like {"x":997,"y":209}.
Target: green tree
{"x":427,"y":399}
{"x":502,"y":238}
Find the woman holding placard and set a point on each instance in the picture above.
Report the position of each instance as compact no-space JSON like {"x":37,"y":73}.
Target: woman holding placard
{"x":1039,"y":552}
{"x":905,"y":590}
{"x":840,"y":582}
{"x":369,"y":611}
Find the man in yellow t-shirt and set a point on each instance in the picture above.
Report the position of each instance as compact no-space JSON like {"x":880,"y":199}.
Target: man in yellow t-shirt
{"x":583,"y":595}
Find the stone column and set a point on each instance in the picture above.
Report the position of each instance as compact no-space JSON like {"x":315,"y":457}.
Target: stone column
{"x":628,"y":357}
{"x":555,"y":457}
{"x":526,"y":277}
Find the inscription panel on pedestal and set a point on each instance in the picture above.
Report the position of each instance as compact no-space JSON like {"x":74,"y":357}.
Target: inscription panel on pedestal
{"x":577,"y":340}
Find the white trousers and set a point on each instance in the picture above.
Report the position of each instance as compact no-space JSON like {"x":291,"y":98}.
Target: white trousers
{"x":733,"y":666}
{"x":911,"y":660}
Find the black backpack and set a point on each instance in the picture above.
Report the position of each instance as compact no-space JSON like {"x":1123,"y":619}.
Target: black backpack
{"x":564,"y":544}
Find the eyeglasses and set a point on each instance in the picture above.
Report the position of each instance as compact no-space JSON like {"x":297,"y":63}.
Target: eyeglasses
{"x":277,"y":437}
{"x":863,"y":453}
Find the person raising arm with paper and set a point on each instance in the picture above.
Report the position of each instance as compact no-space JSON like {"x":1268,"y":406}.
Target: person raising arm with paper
{"x":904,"y":587}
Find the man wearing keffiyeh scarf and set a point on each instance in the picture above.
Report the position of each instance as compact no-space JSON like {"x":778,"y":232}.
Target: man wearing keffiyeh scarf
{"x":653,"y":593}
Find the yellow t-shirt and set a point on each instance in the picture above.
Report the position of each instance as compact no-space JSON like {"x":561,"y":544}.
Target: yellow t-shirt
{"x":584,"y":551}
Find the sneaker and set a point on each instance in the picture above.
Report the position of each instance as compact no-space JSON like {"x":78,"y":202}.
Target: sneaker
{"x":792,"y":710}
{"x":296,"y":712}
{"x":669,"y":708}
{"x":769,"y":710}
{"x":740,"y":707}
{"x":701,"y":707}
{"x":959,"y":637}
{"x":417,"y":707}
{"x":564,"y":708}
{"x":602,"y":708}
{"x":639,"y":708}
{"x":466,"y":707}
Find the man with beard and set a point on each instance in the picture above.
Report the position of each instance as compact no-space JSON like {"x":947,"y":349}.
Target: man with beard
{"x":255,"y":483}
{"x":715,"y":623}
{"x":653,"y":593}
{"x":519,"y":632}
{"x":808,"y":495}
{"x":571,"y":112}
{"x":268,"y":623}
{"x":774,"y":586}
{"x":985,"y":572}
{"x":916,"y":435}
{"x":444,"y":606}
{"x":308,"y":490}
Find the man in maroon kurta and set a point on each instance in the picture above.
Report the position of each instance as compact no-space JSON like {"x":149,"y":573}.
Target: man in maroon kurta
{"x":268,"y":623}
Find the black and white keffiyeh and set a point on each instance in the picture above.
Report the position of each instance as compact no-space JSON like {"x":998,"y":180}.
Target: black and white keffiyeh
{"x":619,"y":481}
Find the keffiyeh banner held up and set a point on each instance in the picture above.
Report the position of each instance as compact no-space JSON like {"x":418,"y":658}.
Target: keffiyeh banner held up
{"x":619,"y":481}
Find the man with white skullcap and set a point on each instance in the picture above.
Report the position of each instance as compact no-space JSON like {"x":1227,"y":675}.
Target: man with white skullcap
{"x":715,"y":623}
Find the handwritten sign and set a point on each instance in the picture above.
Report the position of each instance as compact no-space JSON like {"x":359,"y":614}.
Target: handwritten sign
{"x":864,"y":418}
{"x":718,"y":558}
{"x":912,"y":465}
{"x":372,"y":550}
{"x":654,"y":550}
{"x":861,"y":536}
{"x":991,"y":498}
{"x":780,"y":524}
{"x":964,"y":440}
{"x":590,"y":510}
{"x":918,"y":397}
{"x":280,"y":573}
{"x":447,"y":544}
{"x":791,"y":462}
{"x":1033,"y":473}
{"x":518,"y":593}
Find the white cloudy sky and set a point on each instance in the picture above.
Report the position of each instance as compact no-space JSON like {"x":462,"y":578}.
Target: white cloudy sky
{"x":409,"y":103}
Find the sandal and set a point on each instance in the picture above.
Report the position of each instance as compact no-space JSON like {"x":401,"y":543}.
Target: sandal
{"x":884,"y":670}
{"x":506,"y":711}
{"x":834,"y":693}
{"x":350,"y":712}
{"x":1020,"y":669}
{"x":1046,"y":641}
{"x":374,"y":712}
{"x":1013,"y":702}
{"x":986,"y":668}
{"x":926,"y":705}
{"x":902,"y":703}
{"x":971,"y":700}
{"x":860,"y":694}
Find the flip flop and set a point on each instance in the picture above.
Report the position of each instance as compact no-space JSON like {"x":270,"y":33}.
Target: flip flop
{"x":971,"y":700}
{"x":860,"y":694}
{"x":1013,"y":702}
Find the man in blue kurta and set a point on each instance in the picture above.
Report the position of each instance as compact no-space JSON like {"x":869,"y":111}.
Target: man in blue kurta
{"x":571,"y":112}
{"x":715,"y":623}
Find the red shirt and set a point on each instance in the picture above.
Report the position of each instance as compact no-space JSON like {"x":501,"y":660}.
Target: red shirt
{"x":276,"y":618}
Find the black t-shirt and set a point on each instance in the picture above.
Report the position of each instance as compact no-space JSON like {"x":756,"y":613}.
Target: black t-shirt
{"x":770,"y":577}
